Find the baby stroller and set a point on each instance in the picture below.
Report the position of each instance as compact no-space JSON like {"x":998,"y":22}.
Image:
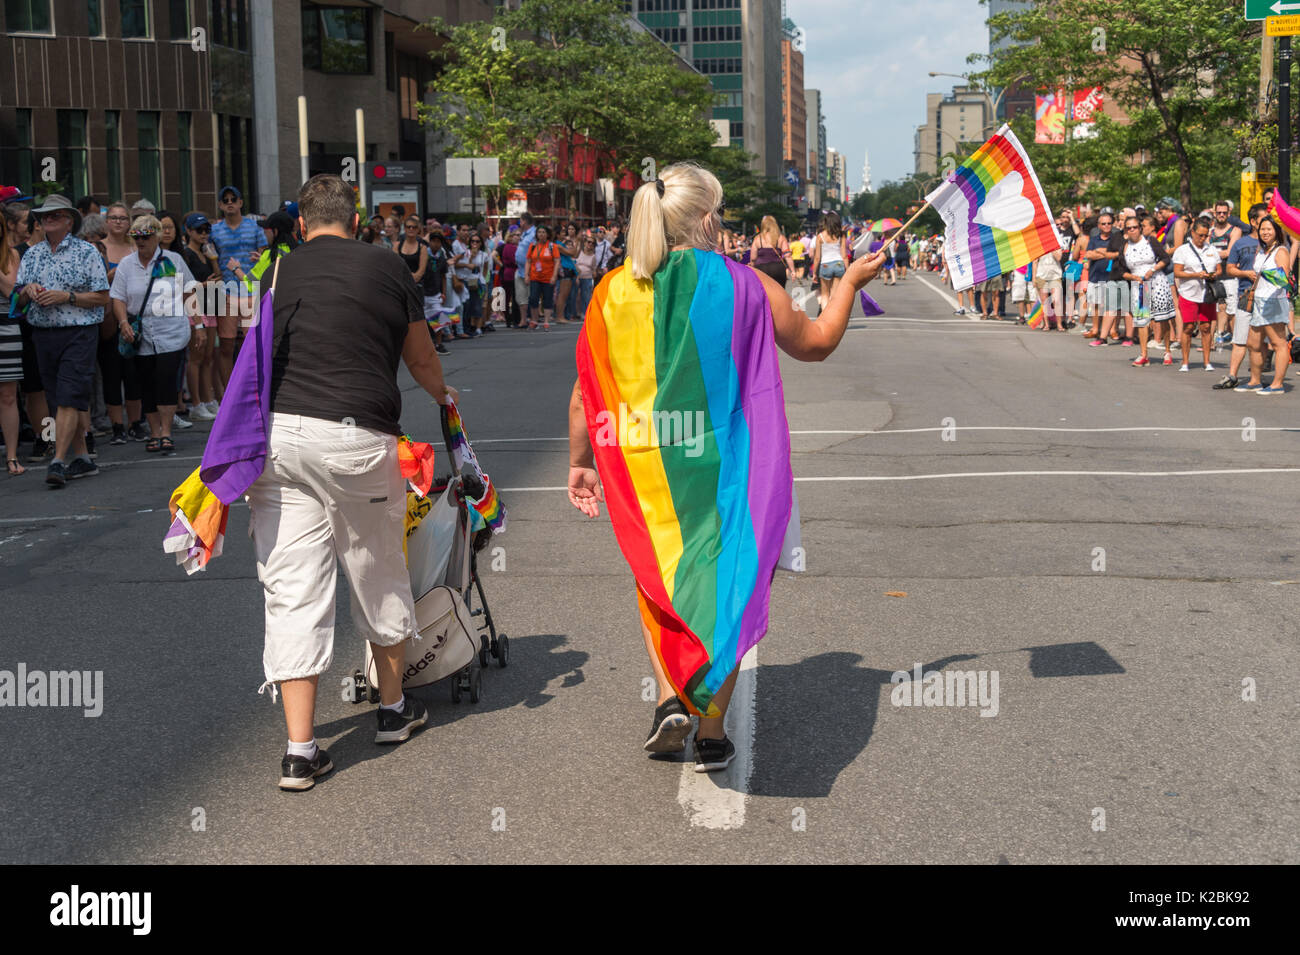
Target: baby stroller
{"x":442,"y":562}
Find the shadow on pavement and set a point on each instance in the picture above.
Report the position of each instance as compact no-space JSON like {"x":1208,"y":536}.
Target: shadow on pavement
{"x":535,"y":662}
{"x":798,"y":753}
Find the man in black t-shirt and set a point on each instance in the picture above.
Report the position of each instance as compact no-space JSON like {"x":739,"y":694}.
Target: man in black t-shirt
{"x":345,"y":313}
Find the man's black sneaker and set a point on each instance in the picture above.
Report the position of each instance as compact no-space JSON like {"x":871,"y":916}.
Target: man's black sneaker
{"x":712,"y":755}
{"x":79,"y":468}
{"x":442,"y":349}
{"x":397,"y":727}
{"x":40,"y":451}
{"x":54,"y":474}
{"x":90,"y":446}
{"x":670,"y":728}
{"x":1227,"y":382}
{"x":119,"y":435}
{"x":139,"y":431}
{"x":298,"y":772}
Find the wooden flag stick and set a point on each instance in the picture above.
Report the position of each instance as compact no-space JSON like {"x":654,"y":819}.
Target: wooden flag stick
{"x":903,"y":228}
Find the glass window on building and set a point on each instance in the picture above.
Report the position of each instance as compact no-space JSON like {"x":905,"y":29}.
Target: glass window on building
{"x":179,"y":14}
{"x":113,"y":150}
{"x":94,"y":18}
{"x":74,"y":179}
{"x":135,"y":19}
{"x":23,"y":144}
{"x":184,"y":128}
{"x":336,"y":39}
{"x":228,"y":21}
{"x":28,"y":16}
{"x":234,"y":162}
{"x":149,"y":157}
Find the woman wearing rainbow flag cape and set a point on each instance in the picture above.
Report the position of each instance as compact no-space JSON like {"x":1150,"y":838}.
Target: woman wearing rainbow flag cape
{"x":677,"y":421}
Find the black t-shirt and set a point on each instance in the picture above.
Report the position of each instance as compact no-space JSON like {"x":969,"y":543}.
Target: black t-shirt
{"x":342,"y":309}
{"x":1100,"y":270}
{"x":200,"y":266}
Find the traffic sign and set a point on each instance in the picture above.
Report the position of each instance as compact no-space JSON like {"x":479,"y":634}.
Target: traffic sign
{"x":1263,"y":9}
{"x":1283,"y":26}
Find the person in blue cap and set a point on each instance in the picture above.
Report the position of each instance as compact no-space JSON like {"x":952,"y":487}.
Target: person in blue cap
{"x":239,"y":241}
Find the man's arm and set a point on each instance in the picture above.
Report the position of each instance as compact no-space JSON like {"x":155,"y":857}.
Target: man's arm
{"x":423,"y":363}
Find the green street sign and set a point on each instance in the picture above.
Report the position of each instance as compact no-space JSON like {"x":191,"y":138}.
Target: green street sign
{"x":1263,"y":9}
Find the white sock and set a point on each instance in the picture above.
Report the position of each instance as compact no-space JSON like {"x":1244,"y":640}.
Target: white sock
{"x":396,"y":707}
{"x":306,"y":750}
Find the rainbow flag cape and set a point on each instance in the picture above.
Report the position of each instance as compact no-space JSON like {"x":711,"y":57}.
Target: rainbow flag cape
{"x":198,"y":524}
{"x":1035,"y":319}
{"x":1285,"y":214}
{"x":996,"y":214}
{"x":682,"y":392}
{"x":1167,"y":229}
{"x":488,"y":504}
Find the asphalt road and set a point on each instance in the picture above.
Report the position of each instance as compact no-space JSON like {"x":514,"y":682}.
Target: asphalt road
{"x":1120,"y":604}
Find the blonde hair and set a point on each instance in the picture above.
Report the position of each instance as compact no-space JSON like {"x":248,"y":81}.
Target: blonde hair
{"x":686,"y":214}
{"x":771,"y":231}
{"x":146,"y":223}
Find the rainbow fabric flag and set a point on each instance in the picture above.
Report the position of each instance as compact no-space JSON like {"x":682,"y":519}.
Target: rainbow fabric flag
{"x":682,"y":391}
{"x":996,"y":214}
{"x":1168,"y":228}
{"x":488,"y":504}
{"x":198,"y":524}
{"x":1035,"y":319}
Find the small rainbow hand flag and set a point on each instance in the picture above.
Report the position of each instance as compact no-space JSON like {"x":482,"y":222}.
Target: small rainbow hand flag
{"x":198,"y":524}
{"x":1035,"y":319}
{"x":996,"y":214}
{"x":488,"y":504}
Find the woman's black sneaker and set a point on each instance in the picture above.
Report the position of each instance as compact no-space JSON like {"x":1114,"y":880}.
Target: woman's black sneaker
{"x":712,"y":755}
{"x":442,"y":349}
{"x":139,"y":431}
{"x":80,"y":468}
{"x":119,"y":435}
{"x":397,"y":727}
{"x":671,"y":726}
{"x":1226,"y":382}
{"x":298,"y":772}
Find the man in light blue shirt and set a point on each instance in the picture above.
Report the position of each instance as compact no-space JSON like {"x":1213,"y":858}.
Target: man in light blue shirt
{"x":528,"y":233}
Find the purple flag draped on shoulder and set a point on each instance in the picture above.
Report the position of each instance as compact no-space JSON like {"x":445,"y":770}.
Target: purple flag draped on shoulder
{"x":236,"y":451}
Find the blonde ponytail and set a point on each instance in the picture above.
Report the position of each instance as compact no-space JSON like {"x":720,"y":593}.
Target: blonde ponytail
{"x":647,"y":243}
{"x":687,"y":213}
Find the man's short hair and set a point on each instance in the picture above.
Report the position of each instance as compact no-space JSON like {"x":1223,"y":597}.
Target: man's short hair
{"x":1223,"y":202}
{"x":1258,"y":209}
{"x":84,"y":204}
{"x":324,"y":200}
{"x":1202,"y":222}
{"x":526,"y":218}
{"x":142,"y":206}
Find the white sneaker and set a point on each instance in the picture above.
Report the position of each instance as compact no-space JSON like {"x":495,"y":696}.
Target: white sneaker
{"x":1209,"y":368}
{"x":201,"y":413}
{"x":180,"y":423}
{"x":1157,"y":346}
{"x":1184,"y":368}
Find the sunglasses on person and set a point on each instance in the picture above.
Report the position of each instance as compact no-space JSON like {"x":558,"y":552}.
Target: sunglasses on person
{"x":228,"y":200}
{"x":140,"y":235}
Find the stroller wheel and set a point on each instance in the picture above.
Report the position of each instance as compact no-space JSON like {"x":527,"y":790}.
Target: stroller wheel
{"x":502,"y":650}
{"x":455,"y":688}
{"x":475,"y":684}
{"x":483,"y":652}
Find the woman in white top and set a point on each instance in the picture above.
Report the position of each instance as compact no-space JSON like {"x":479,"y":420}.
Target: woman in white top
{"x":1270,"y":314}
{"x":164,"y":323}
{"x":830,"y":256}
{"x":586,"y":264}
{"x":1144,"y":262}
{"x":471,"y":270}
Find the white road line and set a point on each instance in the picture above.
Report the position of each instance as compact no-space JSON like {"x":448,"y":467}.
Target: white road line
{"x":59,"y":517}
{"x":717,"y":800}
{"x":952,"y":302}
{"x":979,"y":474}
{"x":971,"y":474}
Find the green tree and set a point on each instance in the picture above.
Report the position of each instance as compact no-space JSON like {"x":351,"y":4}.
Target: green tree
{"x":558,"y":69}
{"x":1182,"y":70}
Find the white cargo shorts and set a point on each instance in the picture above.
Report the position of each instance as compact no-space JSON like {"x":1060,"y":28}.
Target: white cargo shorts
{"x":330,"y":494}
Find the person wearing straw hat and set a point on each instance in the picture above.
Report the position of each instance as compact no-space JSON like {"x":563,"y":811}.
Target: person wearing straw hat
{"x":62,"y":290}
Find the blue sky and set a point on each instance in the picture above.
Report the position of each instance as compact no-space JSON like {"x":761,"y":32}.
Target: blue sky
{"x":871,"y":61}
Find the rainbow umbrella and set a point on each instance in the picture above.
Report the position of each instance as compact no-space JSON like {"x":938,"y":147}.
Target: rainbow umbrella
{"x":881,"y":226}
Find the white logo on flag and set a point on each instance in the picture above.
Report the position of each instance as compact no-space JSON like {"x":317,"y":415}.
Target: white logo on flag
{"x":1005,"y":207}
